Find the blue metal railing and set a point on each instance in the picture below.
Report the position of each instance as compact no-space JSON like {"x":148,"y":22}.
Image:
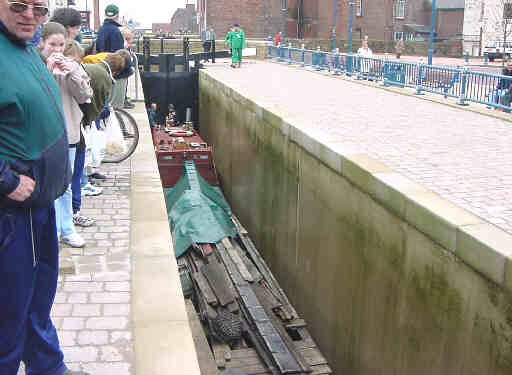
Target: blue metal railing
{"x":461,"y":83}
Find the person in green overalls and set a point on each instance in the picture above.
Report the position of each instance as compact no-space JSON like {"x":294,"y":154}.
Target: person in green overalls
{"x":236,"y":40}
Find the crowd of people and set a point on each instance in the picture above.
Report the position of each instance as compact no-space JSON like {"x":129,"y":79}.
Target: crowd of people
{"x":52,"y":92}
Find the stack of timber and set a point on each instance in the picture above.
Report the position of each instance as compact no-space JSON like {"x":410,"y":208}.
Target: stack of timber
{"x":241,"y":319}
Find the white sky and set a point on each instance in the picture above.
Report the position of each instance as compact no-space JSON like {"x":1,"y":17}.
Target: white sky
{"x":146,"y":11}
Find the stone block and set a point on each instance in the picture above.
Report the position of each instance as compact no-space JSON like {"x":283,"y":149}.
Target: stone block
{"x":157,"y":294}
{"x":109,"y":323}
{"x":92,"y":338}
{"x":437,"y":218}
{"x":163,"y":356}
{"x":80,"y":354}
{"x":487,"y":249}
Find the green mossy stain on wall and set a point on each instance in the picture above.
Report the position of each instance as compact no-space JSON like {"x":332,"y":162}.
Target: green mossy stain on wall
{"x":442,"y":301}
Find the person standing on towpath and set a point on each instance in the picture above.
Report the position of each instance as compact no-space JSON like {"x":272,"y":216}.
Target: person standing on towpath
{"x":34,"y":171}
{"x":236,"y":39}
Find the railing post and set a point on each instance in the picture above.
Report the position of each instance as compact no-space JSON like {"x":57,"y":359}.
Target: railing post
{"x":463,"y":82}
{"x":336,"y":67}
{"x":146,"y":50}
{"x":289,"y":53}
{"x":318,"y":56}
{"x":419,"y":80}
{"x":161,"y":45}
{"x":303,"y":56}
{"x":349,"y":67}
{"x":186,"y":51}
{"x":280,"y":52}
{"x":213,"y":50}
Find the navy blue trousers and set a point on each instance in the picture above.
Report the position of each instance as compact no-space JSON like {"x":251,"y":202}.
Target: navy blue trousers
{"x":76,"y":187}
{"x":28,"y":282}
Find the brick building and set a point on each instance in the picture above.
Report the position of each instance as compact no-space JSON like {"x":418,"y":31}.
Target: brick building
{"x":184,"y":20}
{"x":379,"y":19}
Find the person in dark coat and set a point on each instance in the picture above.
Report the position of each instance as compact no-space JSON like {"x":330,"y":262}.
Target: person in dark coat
{"x":110,"y":38}
{"x":34,"y":171}
{"x":501,"y":94}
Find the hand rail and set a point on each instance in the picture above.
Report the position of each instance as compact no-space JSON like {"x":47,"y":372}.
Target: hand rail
{"x":493,"y":90}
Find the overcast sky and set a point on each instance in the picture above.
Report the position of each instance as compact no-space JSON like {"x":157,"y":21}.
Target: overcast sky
{"x":144,"y":11}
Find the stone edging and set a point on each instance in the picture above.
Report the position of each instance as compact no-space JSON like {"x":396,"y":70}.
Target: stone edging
{"x":162,"y":335}
{"x":483,"y":246}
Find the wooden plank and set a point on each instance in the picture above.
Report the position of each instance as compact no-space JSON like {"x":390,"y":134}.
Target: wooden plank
{"x":304,"y":344}
{"x":246,"y":275}
{"x":297,"y":355}
{"x":281,"y":354}
{"x":265,"y":271}
{"x":321,"y":370}
{"x":250,"y":369}
{"x":217,"y":278}
{"x":297,"y":323}
{"x":313,"y":356}
{"x":266,"y":297}
{"x":205,"y":359}
{"x":238,"y":225}
{"x":205,"y":289}
{"x":244,"y":353}
{"x":220,"y":352}
{"x":256,"y":275}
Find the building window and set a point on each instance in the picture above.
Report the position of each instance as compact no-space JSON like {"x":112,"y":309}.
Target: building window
{"x":399,"y":9}
{"x":398,"y":35}
{"x":359,"y":8}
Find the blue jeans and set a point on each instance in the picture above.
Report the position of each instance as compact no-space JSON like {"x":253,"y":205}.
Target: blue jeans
{"x":28,"y":277}
{"x":76,"y":182}
{"x":63,"y":205}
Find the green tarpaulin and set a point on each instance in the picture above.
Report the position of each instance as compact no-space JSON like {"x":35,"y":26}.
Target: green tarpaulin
{"x":197,"y":211}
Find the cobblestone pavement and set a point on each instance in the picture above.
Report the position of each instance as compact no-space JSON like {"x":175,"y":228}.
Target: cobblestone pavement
{"x":92,"y":307}
{"x":463,"y":156}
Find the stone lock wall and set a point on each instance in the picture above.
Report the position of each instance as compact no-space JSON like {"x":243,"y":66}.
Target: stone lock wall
{"x":388,"y":283}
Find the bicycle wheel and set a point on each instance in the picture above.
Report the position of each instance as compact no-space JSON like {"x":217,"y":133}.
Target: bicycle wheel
{"x":130,"y":132}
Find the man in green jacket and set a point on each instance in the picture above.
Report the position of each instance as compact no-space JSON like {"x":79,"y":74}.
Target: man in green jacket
{"x":236,"y":39}
{"x":34,"y":171}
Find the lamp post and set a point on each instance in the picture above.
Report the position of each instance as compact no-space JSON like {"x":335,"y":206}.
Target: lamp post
{"x":432,"y":29}
{"x":283,"y":23}
{"x":350,"y":23}
{"x":335,"y":23}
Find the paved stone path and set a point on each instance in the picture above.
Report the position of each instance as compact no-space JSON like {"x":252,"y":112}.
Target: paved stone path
{"x":92,"y":307}
{"x":463,"y":156}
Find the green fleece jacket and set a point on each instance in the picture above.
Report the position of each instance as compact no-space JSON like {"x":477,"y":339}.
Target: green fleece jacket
{"x":101,"y":83}
{"x":33,"y":139}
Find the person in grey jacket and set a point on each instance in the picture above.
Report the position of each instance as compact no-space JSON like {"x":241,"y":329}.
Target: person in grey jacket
{"x":62,"y":60}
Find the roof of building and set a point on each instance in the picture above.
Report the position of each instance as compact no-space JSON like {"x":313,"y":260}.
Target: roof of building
{"x":450,"y":4}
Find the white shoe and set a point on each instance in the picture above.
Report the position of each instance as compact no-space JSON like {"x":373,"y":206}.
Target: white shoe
{"x":73,"y":240}
{"x":90,"y":190}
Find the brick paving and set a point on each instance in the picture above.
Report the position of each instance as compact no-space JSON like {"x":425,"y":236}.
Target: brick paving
{"x":463,"y":156}
{"x":92,"y":309}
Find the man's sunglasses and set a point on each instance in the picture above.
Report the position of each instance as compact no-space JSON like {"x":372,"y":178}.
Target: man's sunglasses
{"x":38,"y":10}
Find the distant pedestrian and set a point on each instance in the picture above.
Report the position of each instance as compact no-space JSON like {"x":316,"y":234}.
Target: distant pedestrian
{"x":365,"y":52}
{"x":110,"y":38}
{"x":277,"y":39}
{"x":236,"y":38}
{"x":399,"y":48}
{"x":206,"y":39}
{"x":152,"y":114}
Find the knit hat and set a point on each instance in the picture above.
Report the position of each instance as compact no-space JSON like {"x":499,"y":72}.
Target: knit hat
{"x":111,"y":10}
{"x":236,"y":25}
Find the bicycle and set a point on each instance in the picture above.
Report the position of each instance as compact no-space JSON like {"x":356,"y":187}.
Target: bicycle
{"x":130,"y":132}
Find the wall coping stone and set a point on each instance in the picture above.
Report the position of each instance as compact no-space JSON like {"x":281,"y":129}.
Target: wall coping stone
{"x":162,"y":335}
{"x":484,"y":247}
